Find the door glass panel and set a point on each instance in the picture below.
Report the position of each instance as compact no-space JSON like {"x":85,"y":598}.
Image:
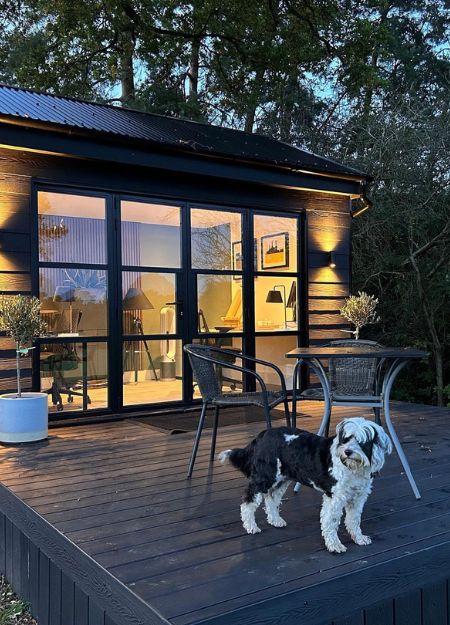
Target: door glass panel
{"x":219,"y":306}
{"x":151,"y":234}
{"x":152,"y":371}
{"x":74,"y":377}
{"x":74,"y":301}
{"x":276,"y":243}
{"x":216,"y":239}
{"x":275,"y":304}
{"x":229,"y":379}
{"x":274,"y":349}
{"x":71,"y":228}
{"x":147,"y":303}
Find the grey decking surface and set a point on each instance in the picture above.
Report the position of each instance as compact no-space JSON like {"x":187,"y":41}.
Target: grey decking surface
{"x":118,"y":491}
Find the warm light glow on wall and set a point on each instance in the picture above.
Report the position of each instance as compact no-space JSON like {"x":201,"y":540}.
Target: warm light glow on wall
{"x":326,"y":231}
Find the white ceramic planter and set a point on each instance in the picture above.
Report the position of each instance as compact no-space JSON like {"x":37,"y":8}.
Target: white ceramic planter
{"x":23,"y":419}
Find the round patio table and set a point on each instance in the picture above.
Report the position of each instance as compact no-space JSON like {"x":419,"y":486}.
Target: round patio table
{"x":390,"y":361}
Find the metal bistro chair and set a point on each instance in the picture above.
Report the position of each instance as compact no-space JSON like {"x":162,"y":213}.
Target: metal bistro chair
{"x":207,"y":362}
{"x":352,"y":382}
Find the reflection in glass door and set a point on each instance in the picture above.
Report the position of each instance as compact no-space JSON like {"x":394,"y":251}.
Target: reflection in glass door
{"x":73,"y":289}
{"x":113,"y":276}
{"x":216,"y":276}
{"x":152,"y":354}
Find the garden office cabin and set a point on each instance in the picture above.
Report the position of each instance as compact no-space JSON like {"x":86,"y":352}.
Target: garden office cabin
{"x":141,"y":233}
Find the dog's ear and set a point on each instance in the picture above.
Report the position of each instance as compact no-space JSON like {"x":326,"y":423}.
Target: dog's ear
{"x":367,"y":447}
{"x":382,"y":439}
{"x":340,"y":431}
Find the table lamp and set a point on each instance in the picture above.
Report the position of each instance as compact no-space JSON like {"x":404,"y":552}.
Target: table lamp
{"x":275,"y":297}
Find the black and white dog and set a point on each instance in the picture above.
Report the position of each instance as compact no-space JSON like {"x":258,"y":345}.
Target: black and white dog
{"x":342,"y":468}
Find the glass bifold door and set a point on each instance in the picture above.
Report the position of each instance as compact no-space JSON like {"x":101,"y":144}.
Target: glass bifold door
{"x":125,"y":282}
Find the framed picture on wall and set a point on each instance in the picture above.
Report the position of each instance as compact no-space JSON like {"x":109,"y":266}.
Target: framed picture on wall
{"x":238,"y":260}
{"x":275,"y":250}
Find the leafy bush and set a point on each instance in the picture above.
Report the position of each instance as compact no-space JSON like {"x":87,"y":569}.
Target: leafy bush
{"x":20,"y":317}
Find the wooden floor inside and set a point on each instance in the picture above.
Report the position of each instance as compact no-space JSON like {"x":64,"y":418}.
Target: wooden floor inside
{"x":118,"y":492}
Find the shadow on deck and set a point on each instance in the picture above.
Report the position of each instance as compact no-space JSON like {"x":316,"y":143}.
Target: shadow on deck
{"x":99,"y":527}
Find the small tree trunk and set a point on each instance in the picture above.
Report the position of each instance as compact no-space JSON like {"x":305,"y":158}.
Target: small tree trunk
{"x":19,"y":390}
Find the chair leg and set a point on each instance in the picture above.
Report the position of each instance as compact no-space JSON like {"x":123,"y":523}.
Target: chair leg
{"x":377,"y":413}
{"x":267,"y":416}
{"x":197,"y":440}
{"x":286,"y":413}
{"x":214,"y":434}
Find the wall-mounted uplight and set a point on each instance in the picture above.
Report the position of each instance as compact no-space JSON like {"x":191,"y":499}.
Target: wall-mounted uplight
{"x":332,"y":260}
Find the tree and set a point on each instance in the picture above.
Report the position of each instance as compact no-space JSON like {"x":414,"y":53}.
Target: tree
{"x":402,"y":246}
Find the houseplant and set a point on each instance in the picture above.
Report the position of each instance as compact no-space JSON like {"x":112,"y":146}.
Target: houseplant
{"x":360,"y":310}
{"x":23,"y":416}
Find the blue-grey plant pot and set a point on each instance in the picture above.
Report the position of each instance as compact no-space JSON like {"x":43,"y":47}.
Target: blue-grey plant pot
{"x":23,"y":419}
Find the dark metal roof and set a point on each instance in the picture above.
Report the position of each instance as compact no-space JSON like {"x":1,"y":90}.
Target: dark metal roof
{"x":177,"y":133}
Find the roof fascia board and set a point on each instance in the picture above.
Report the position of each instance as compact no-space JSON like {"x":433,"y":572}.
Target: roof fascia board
{"x":71,"y":145}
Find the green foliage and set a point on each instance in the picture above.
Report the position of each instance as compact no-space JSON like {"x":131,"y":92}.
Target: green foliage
{"x":13,"y":611}
{"x":360,"y":310}
{"x":20,"y":318}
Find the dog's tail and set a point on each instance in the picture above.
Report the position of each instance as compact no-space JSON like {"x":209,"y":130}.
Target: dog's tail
{"x":240,"y":458}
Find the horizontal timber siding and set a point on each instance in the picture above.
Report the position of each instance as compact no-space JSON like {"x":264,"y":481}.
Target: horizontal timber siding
{"x":327,"y":288}
{"x":15,"y":243}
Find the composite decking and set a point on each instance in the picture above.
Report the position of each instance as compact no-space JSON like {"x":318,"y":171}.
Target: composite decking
{"x":99,"y":527}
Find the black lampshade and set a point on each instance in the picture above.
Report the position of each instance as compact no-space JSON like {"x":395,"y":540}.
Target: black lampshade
{"x":332,"y":260}
{"x":135,"y":299}
{"x":274,"y":297}
{"x":64,"y":294}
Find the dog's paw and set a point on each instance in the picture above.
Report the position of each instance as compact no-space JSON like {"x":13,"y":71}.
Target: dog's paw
{"x":252,"y":529}
{"x":362,"y":540}
{"x":278,"y":522}
{"x":336,"y":547}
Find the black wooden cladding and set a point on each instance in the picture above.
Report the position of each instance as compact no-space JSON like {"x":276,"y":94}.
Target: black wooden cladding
{"x":63,"y":591}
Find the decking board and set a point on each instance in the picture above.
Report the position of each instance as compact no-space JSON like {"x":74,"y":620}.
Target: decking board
{"x":118,"y":491}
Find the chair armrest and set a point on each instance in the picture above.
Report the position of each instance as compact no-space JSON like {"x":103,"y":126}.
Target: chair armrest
{"x":228,"y":365}
{"x":266,"y":363}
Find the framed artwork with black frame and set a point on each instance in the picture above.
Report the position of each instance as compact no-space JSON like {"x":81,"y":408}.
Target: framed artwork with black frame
{"x":275,"y":250}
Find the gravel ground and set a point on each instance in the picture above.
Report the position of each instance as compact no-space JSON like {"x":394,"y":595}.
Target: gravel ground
{"x":13,"y":611}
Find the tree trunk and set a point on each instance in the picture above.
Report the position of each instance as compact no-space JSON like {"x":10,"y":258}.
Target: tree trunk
{"x":194,"y":66}
{"x":126,"y":54}
{"x":19,"y":389}
{"x":255,"y":100}
{"x":127,"y":73}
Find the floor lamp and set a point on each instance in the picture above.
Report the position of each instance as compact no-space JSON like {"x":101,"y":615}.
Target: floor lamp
{"x":135,"y":299}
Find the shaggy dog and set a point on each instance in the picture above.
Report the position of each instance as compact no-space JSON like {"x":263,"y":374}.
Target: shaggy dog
{"x":341,"y":468}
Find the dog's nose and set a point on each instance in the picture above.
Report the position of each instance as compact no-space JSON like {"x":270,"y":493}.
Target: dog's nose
{"x":348,"y":452}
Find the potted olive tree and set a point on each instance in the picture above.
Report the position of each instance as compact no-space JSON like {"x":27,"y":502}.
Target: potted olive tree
{"x":23,"y":416}
{"x":360,"y":310}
